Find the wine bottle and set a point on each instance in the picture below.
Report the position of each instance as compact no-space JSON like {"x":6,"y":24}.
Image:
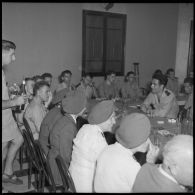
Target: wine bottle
{"x":23,"y":91}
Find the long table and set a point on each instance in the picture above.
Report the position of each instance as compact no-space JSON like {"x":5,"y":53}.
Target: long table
{"x":162,"y":129}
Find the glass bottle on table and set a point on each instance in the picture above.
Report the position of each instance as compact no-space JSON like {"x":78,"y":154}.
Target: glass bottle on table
{"x":23,"y":92}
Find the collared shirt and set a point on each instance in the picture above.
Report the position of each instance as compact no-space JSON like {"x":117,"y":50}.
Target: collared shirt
{"x":88,"y":90}
{"x":189,"y":105}
{"x":152,"y":179}
{"x":88,"y":144}
{"x":34,"y":114}
{"x":107,"y":91}
{"x":7,"y":116}
{"x":130,"y":90}
{"x":165,"y":107}
{"x":9,"y":127}
{"x":173,"y":85}
{"x":47,"y":125}
{"x":64,"y":86}
{"x":116,"y":170}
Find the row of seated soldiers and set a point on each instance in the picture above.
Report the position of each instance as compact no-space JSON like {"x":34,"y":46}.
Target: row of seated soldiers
{"x":159,"y":102}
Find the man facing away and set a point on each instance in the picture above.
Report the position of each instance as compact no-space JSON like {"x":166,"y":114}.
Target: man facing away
{"x":10,"y":131}
{"x":174,"y":174}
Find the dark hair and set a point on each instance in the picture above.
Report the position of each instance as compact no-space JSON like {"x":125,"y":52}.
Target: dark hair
{"x":62,"y":75}
{"x":36,"y":77}
{"x":44,"y":75}
{"x":161,"y":78}
{"x":128,"y":73}
{"x":109,"y":73}
{"x":157,"y":71}
{"x":7,"y":45}
{"x":39,"y":85}
{"x":189,"y":80}
{"x":87,"y":75}
{"x":169,"y":70}
{"x":28,"y":79}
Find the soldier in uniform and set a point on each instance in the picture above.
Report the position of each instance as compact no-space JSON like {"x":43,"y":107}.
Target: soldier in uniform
{"x":172,"y":83}
{"x":160,"y":101}
{"x":108,"y":88}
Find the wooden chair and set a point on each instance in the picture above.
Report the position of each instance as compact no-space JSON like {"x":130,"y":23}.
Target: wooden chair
{"x":67,"y":181}
{"x":34,"y":162}
{"x":47,"y":173}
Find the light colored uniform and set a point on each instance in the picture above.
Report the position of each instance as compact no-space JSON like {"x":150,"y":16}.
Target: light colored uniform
{"x":165,"y":107}
{"x":130,"y":90}
{"x":88,"y":90}
{"x":34,"y":114}
{"x":173,"y":85}
{"x":64,"y":86}
{"x":10,"y":130}
{"x":189,"y":105}
{"x":116,"y":170}
{"x":88,"y":144}
{"x":107,"y":91}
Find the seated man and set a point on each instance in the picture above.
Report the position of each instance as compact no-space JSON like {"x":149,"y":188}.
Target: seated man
{"x":175,"y":172}
{"x":108,"y":88}
{"x":64,"y":131}
{"x":87,"y":86}
{"x":172,"y":83}
{"x":188,"y":86}
{"x":116,"y":166}
{"x":50,"y":119}
{"x":47,"y":77}
{"x":161,"y":101}
{"x":130,"y":88}
{"x":36,"y":110}
{"x":187,"y":112}
{"x":89,"y":143}
{"x":65,"y":81}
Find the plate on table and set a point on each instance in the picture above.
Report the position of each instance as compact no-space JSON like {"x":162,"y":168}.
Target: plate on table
{"x":165,"y":132}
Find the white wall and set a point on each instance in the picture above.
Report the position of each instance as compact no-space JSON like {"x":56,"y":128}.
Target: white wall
{"x":186,"y":13}
{"x":48,"y":37}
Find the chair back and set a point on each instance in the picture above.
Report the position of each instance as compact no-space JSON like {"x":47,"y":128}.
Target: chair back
{"x":45,"y":165}
{"x":27,"y":128}
{"x":31,"y":149}
{"x":65,"y":175}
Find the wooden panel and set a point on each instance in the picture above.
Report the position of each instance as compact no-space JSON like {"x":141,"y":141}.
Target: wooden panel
{"x":94,"y":44}
{"x":114,"y":45}
{"x":114,"y":23}
{"x":114,"y":66}
{"x":93,"y":66}
{"x":94,"y":21}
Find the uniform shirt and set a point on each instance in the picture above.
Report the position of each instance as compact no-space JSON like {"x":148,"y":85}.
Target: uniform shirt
{"x":189,"y":105}
{"x":173,"y":85}
{"x":88,"y":144}
{"x":64,"y":86}
{"x":61,"y":141}
{"x":88,"y":90}
{"x":130,"y":90}
{"x":116,"y":170}
{"x":152,"y":178}
{"x":47,"y":125}
{"x":34,"y":114}
{"x":9,"y":127}
{"x":107,"y":91}
{"x":165,"y":107}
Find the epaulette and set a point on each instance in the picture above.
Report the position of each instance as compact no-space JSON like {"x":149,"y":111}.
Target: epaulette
{"x":167,"y":92}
